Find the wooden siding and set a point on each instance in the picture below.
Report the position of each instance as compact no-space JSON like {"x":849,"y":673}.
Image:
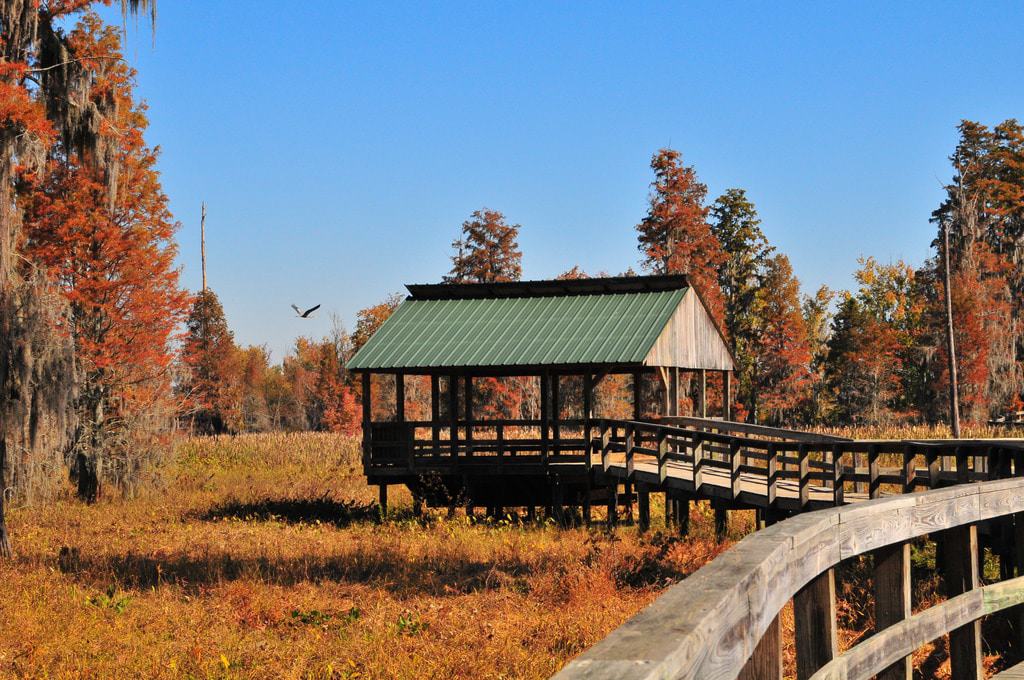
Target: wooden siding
{"x":690,"y":340}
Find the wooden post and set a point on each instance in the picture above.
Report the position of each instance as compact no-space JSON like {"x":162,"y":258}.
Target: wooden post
{"x":702,"y":393}
{"x":960,"y":555}
{"x":637,"y":394}
{"x":468,"y":381}
{"x":383,"y":501}
{"x":683,"y":515}
{"x":588,"y":444}
{"x":892,"y":599}
{"x":669,"y":506}
{"x":804,"y":466}
{"x":367,"y":419}
{"x":773,"y":474}
{"x":766,"y":661}
{"x":435,"y":413}
{"x":399,"y":397}
{"x":453,"y":415}
{"x":814,"y":615}
{"x":727,"y":395}
{"x":555,"y":414}
{"x":613,"y":504}
{"x":558,"y":501}
{"x":644,"y":502}
{"x":721,"y":520}
{"x":874,"y":485}
{"x":674,"y":393}
{"x":545,"y":408}
{"x":838,"y":476}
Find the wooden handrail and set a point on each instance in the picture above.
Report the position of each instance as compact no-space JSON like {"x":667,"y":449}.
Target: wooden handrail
{"x":710,"y":625}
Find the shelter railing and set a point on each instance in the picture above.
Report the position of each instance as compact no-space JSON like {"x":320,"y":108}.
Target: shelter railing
{"x":424,"y":443}
{"x":723,"y":621}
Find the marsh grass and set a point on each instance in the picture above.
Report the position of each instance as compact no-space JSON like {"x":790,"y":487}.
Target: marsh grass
{"x":264,"y":556}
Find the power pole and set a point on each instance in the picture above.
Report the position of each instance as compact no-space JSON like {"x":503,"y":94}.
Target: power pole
{"x":202,"y":243}
{"x":954,"y":400}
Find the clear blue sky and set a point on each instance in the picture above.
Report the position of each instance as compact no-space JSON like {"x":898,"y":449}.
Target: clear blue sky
{"x":339,"y":147}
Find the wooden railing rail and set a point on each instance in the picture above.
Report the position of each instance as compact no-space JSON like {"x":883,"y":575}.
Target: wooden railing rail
{"x":722,"y":622}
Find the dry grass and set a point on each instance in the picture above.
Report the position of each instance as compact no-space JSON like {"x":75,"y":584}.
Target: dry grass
{"x":261,"y":557}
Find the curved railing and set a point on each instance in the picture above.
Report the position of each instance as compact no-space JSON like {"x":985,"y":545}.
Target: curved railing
{"x":722,"y":622}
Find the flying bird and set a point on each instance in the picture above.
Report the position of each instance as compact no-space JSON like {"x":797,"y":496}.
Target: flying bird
{"x":305,"y":314}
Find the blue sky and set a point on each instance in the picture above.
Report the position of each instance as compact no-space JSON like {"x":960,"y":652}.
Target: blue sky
{"x":339,"y":147}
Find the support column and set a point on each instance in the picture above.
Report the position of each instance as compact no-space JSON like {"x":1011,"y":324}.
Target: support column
{"x":683,"y":515}
{"x":721,"y":521}
{"x":892,"y":599}
{"x":644,"y":502}
{"x":702,"y":393}
{"x":367,"y":419}
{"x":727,"y":395}
{"x":556,"y":431}
{"x":399,"y":397}
{"x":637,"y":394}
{"x":545,"y":409}
{"x":383,"y":501}
{"x":468,"y":380}
{"x":814,"y":614}
{"x":435,"y":413}
{"x":453,"y":415}
{"x":674,"y":403}
{"x":588,"y":415}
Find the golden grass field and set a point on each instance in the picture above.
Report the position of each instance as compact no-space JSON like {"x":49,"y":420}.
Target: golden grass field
{"x":261,"y":556}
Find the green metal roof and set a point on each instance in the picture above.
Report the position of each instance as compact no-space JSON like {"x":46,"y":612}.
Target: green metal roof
{"x":614,"y":328}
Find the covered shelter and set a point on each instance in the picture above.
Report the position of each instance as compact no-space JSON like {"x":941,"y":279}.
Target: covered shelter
{"x":457,"y":334}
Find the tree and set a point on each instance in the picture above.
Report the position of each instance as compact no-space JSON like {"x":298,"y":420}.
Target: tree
{"x":817,"y":320}
{"x":781,"y":363}
{"x":45,"y":94}
{"x":983,"y":216}
{"x":210,"y":353}
{"x":737,"y":227}
{"x":487,"y":251}
{"x":113,"y":258}
{"x":674,"y":236}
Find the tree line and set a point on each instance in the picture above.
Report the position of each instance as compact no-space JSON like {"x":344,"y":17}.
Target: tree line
{"x":874,"y":354}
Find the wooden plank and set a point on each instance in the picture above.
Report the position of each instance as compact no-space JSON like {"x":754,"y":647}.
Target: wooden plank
{"x":960,"y":574}
{"x":892,"y":599}
{"x":814,"y":614}
{"x":766,"y":661}
{"x":804,"y":471}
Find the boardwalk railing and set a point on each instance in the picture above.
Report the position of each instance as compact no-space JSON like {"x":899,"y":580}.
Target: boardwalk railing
{"x":723,"y":621}
{"x":787,"y":470}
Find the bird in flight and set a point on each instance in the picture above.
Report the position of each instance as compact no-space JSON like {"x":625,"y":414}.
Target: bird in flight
{"x":305,"y":314}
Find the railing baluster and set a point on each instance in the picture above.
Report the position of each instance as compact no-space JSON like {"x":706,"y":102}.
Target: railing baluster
{"x":838,"y":476}
{"x":814,"y":615}
{"x":736,"y":480}
{"x":630,"y":435}
{"x":892,"y":599}
{"x":960,"y":574}
{"x":773,"y":474}
{"x":766,"y":661}
{"x":909,"y":468}
{"x":662,"y":456}
{"x":698,"y":455}
{"x":874,"y":484}
{"x":804,"y":468}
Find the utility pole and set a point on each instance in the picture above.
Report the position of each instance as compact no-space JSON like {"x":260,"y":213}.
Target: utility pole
{"x":202,"y":243}
{"x":954,"y":400}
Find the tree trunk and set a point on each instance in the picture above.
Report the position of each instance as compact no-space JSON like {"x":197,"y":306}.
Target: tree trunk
{"x":954,"y":400}
{"x":5,"y":543}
